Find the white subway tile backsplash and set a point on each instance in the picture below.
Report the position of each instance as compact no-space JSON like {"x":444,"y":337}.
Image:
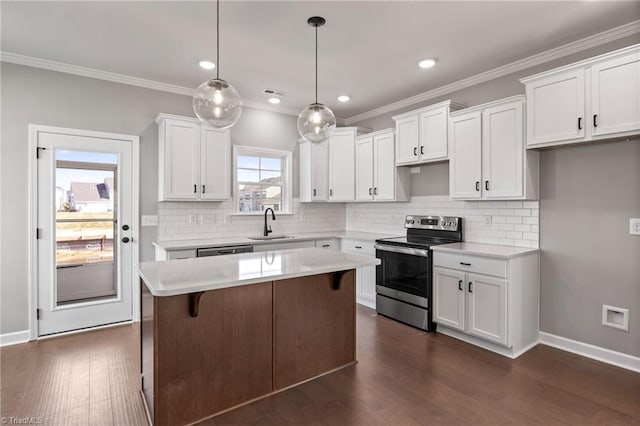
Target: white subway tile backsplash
{"x":513,"y":223}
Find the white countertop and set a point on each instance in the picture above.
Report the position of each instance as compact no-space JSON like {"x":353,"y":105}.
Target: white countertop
{"x":236,"y":241}
{"x":491,"y":250}
{"x":175,"y":277}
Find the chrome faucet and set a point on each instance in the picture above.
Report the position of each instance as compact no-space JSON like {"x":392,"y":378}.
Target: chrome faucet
{"x":267,"y":228}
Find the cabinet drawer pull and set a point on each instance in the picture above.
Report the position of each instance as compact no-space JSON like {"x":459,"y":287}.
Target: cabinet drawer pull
{"x":358,"y":247}
{"x":326,"y":245}
{"x":579,"y":123}
{"x":465,"y":264}
{"x":460,"y":285}
{"x":195,"y":188}
{"x":470,"y":287}
{"x":415,"y":151}
{"x":486,"y":185}
{"x":478,"y":185}
{"x":595,"y":120}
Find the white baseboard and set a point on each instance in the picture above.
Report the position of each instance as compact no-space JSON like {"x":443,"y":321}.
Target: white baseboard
{"x":608,"y":356}
{"x":14,"y":338}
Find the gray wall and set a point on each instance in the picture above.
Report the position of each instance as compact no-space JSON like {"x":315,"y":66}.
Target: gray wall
{"x":587,"y":195}
{"x":33,"y":96}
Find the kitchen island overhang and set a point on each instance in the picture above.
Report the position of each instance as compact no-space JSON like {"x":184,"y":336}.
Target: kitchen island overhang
{"x":219,"y":332}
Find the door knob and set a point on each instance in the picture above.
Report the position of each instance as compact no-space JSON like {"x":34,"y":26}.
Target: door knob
{"x":125,"y":239}
{"x":125,"y":227}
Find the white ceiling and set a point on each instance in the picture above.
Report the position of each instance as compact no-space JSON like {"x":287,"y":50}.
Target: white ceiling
{"x":368,"y":50}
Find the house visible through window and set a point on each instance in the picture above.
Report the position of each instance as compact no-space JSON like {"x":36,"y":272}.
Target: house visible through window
{"x":262,"y":180}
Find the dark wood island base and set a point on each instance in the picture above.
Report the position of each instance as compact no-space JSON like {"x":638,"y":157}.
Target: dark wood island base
{"x":243,"y":343}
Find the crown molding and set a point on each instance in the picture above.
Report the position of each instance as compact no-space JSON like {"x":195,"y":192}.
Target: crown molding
{"x":47,"y":64}
{"x":540,"y":58}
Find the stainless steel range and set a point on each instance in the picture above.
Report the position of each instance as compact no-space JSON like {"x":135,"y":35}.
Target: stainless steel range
{"x":404,"y":278}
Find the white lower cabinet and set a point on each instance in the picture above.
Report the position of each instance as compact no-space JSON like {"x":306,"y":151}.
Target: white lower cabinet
{"x":365,"y":277}
{"x":487,"y":301}
{"x":330,"y":244}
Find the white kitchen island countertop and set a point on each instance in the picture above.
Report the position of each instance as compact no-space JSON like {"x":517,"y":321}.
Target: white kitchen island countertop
{"x":491,"y":250}
{"x":175,"y":277}
{"x":236,"y":241}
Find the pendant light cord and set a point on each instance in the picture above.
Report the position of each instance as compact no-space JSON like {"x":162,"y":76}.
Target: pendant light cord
{"x":316,"y":64}
{"x":218,"y":41}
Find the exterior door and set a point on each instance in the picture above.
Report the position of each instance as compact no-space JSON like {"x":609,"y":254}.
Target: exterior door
{"x":487,"y":308}
{"x":384,"y":168}
{"x":615,"y":95}
{"x":448,"y":296}
{"x":85,"y":247}
{"x":503,"y":151}
{"x":556,"y":108}
{"x":466,"y":149}
{"x":364,"y":169}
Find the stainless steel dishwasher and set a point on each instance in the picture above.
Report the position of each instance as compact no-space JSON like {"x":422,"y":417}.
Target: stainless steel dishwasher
{"x":221,"y":251}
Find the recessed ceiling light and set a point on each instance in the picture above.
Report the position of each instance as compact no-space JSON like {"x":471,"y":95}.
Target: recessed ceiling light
{"x":207,"y":65}
{"x":427,"y":63}
{"x":344,"y":98}
{"x":274,"y":100}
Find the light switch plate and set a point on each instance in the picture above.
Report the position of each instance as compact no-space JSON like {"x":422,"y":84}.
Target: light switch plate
{"x":149,"y":220}
{"x":634,"y":226}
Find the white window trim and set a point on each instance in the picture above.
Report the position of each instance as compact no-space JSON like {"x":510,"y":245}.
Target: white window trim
{"x":287,"y":178}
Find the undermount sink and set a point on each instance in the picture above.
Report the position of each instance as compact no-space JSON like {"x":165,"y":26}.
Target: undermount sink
{"x":272,"y":237}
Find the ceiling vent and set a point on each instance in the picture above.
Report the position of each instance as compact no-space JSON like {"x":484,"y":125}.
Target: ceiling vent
{"x":272,"y":92}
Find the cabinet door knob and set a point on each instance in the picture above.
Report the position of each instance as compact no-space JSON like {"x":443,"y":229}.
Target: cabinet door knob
{"x":375,"y":191}
{"x":422,"y":150}
{"x":470,"y":287}
{"x":486,"y":185}
{"x":203,"y":189}
{"x":195,"y":188}
{"x":579,"y":123}
{"x":478,"y":185}
{"x":595,"y":120}
{"x":415,"y":151}
{"x":370,"y":191}
{"x":460,"y":285}
{"x":331,"y":192}
{"x":314,"y":192}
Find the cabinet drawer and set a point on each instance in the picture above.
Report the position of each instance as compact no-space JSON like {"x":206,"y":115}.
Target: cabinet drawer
{"x":181,"y":254}
{"x":475,"y":264}
{"x":358,"y":247}
{"x":331,"y":244}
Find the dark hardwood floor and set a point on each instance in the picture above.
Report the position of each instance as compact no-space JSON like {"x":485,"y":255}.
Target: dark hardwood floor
{"x":403,"y":377}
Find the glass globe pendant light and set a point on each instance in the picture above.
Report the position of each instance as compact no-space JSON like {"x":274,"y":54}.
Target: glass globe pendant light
{"x":316,"y":122}
{"x":216,"y":102}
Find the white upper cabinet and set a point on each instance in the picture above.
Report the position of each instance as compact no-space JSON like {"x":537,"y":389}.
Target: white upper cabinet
{"x":615,"y":95}
{"x":377,"y":177}
{"x":422,"y":134}
{"x":488,"y":156}
{"x":215,"y":164}
{"x":465,"y":168}
{"x":342,"y":145}
{"x":194,"y":161}
{"x":594,"y":99}
{"x":556,"y":108}
{"x":314,"y":171}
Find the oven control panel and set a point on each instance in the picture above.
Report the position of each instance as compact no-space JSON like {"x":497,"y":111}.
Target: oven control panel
{"x":446,"y":223}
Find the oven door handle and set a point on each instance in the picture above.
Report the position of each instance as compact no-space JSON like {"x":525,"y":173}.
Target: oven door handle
{"x":403,"y":250}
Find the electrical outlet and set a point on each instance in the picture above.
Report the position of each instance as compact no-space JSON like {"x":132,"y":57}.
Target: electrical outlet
{"x":634,"y":226}
{"x":149,"y":220}
{"x":487,"y":220}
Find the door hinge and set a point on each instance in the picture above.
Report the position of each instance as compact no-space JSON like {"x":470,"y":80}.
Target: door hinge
{"x":38,"y":313}
{"x":38,"y":233}
{"x":38,"y":149}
